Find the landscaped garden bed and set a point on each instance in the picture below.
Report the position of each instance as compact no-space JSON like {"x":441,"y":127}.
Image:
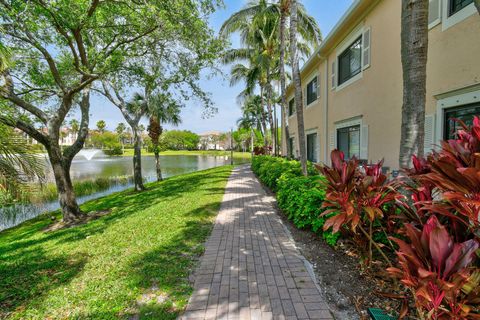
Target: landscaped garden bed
{"x":414,"y":238}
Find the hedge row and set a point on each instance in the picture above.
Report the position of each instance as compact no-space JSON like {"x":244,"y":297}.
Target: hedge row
{"x":298,"y":196}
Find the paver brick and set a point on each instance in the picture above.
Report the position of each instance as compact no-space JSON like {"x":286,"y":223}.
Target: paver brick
{"x":251,"y":268}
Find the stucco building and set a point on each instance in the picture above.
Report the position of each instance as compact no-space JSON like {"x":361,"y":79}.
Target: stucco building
{"x":352,"y":85}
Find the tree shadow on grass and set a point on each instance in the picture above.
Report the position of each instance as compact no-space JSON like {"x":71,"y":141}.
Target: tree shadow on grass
{"x":32,"y":275}
{"x":122,"y":204}
{"x":164,"y":272}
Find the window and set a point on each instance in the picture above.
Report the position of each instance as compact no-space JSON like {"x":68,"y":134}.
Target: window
{"x":456,"y":5}
{"x":291,"y":146}
{"x":348,"y":141}
{"x":312,"y":147}
{"x":291,"y":107}
{"x":312,"y":93}
{"x":464,"y":113}
{"x":350,"y":61}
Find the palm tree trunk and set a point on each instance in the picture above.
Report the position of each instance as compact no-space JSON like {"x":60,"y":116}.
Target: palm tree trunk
{"x":283,"y":17}
{"x":414,"y":35}
{"x":137,"y":159}
{"x":270,"y":114}
{"x":157,"y":166}
{"x":298,"y":86}
{"x":477,"y":4}
{"x":264,"y":124}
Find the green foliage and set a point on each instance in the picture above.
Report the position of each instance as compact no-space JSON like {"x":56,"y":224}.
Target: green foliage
{"x":179,"y":140}
{"x":299,"y":197}
{"x":108,"y":141}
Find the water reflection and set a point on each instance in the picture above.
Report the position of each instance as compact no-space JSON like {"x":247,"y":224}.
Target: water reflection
{"x":83,"y":169}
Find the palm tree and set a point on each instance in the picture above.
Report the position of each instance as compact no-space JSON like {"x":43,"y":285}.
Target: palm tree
{"x":18,"y":163}
{"x":259,"y":24}
{"x":160,"y":112}
{"x":120,"y":129}
{"x":414,"y":35}
{"x":298,"y":85}
{"x":74,"y":126}
{"x":101,"y":125}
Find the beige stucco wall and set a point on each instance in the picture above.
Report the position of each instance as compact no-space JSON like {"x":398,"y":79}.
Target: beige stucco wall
{"x":377,"y":96}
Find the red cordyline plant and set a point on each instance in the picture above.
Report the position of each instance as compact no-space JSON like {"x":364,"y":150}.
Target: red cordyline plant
{"x":440,"y":273}
{"x":356,"y":195}
{"x":439,"y":264}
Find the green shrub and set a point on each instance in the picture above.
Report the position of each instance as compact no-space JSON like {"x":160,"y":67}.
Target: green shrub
{"x":298,"y":196}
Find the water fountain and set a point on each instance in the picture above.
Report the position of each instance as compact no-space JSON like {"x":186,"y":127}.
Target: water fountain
{"x":90,"y":153}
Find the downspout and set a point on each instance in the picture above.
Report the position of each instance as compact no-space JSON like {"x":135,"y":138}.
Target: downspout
{"x":325,"y":114}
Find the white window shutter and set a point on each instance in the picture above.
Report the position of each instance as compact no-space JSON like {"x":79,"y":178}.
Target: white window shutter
{"x":331,"y":141}
{"x":334,"y":71}
{"x":366,"y":39}
{"x":434,"y":13}
{"x":429,"y":139}
{"x":364,"y":142}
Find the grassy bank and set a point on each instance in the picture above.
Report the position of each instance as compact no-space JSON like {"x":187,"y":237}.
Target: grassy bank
{"x":239,"y":155}
{"x":133,"y":261}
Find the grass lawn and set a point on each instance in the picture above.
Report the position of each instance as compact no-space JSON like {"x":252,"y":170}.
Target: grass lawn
{"x":240,"y":155}
{"x":133,"y":261}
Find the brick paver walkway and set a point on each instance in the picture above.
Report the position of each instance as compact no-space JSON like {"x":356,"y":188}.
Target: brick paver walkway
{"x":251,"y":268}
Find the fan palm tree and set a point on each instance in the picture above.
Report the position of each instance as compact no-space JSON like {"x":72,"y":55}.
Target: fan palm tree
{"x":259,"y":25}
{"x":159,"y":113}
{"x":18,"y":163}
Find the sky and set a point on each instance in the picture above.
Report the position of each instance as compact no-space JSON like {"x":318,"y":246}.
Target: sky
{"x":326,"y":13}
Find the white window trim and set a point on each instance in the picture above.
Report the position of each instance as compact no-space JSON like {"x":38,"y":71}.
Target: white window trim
{"x":311,"y":131}
{"x":309,"y":79}
{"x":457,"y":17}
{"x":358,"y":32}
{"x":451,"y":102}
{"x":288,"y":105}
{"x":356,"y":121}
{"x":436,"y":22}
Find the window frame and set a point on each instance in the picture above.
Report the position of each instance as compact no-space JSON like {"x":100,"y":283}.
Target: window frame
{"x":344,"y":53}
{"x":345,"y":44}
{"x":292,"y":99}
{"x":449,"y":21}
{"x":444,"y":133}
{"x":343,"y":128}
{"x":315,"y":146}
{"x":312,"y":80}
{"x":450,"y":9}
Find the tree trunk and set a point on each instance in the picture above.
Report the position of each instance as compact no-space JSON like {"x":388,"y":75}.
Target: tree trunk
{"x":298,"y":86}
{"x":477,"y":5}
{"x":157,"y":166}
{"x":414,"y":36}
{"x":66,"y":196}
{"x":137,"y":159}
{"x":264,"y":124}
{"x":285,"y":135}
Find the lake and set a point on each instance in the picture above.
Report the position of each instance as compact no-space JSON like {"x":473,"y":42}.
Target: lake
{"x":102,"y":166}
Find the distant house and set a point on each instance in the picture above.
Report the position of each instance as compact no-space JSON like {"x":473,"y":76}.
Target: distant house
{"x":213,"y":140}
{"x":67,"y":136}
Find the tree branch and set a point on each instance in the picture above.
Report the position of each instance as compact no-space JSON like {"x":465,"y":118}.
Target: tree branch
{"x":82,"y":134}
{"x":7,"y":92}
{"x":27,"y":128}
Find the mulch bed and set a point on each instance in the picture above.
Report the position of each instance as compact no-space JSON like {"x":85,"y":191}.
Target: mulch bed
{"x":348,"y":288}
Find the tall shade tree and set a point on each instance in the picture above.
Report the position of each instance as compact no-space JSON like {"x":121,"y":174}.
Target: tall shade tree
{"x":59,"y":48}
{"x":414,"y":49}
{"x":297,"y":82}
{"x":101,"y":125}
{"x":171,"y":65}
{"x":160,"y":112}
